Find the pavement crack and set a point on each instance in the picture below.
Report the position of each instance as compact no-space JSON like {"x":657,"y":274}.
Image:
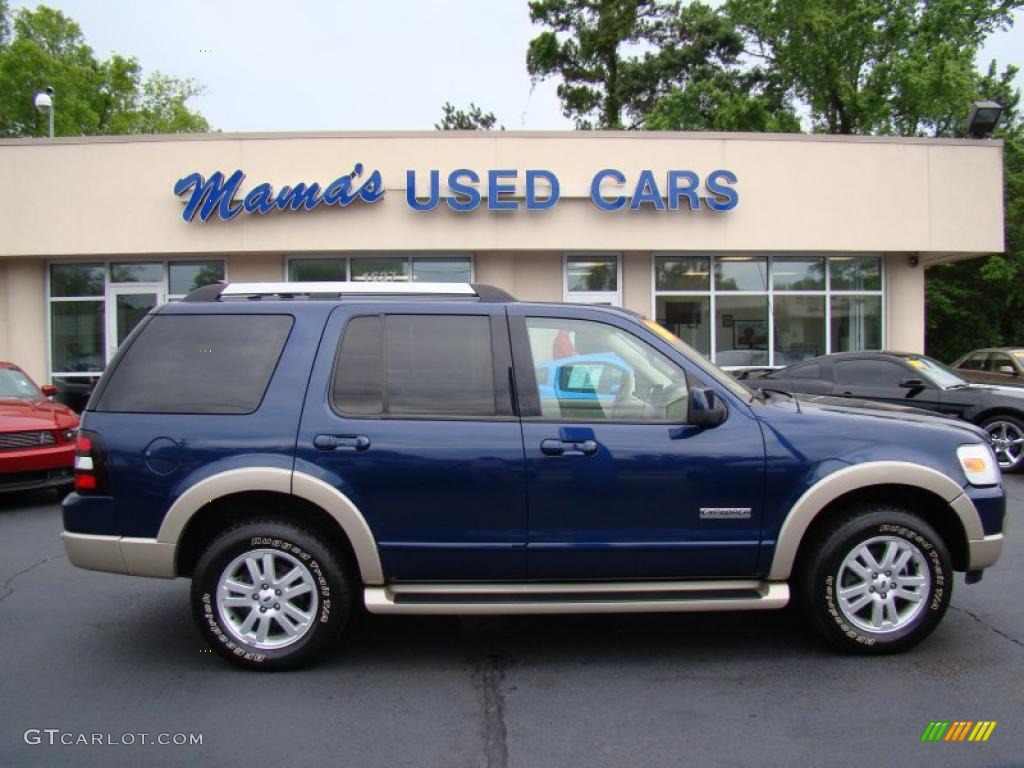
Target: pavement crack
{"x":489,"y":676}
{"x":7,"y":590}
{"x":985,"y":624}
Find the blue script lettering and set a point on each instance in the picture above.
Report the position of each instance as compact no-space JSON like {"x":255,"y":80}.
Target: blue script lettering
{"x":215,"y":195}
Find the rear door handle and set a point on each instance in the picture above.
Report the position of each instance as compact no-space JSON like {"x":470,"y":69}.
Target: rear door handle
{"x":552,"y":447}
{"x":342,"y":442}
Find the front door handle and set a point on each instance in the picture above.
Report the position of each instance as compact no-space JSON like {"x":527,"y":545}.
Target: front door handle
{"x":552,"y":447}
{"x":342,"y":442}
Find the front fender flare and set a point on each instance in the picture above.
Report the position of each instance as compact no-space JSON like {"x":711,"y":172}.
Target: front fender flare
{"x":865,"y":475}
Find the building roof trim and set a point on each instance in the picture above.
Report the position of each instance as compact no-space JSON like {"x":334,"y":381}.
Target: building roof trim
{"x":502,"y":136}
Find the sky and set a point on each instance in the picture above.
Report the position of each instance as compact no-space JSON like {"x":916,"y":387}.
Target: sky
{"x":271,"y":65}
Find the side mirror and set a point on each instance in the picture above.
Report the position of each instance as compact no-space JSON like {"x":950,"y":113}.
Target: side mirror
{"x":48,"y":390}
{"x":912,"y":383}
{"x":1008,"y":369}
{"x":706,"y":408}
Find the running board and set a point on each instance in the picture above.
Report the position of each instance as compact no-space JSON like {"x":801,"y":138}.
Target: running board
{"x":574,"y":597}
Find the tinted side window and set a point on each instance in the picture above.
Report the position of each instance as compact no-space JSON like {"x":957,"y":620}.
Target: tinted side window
{"x":870,"y":373}
{"x":359,"y":378}
{"x":997,"y":360}
{"x":416,"y":365}
{"x":809,"y":371}
{"x":975,"y":362}
{"x":198,"y":364}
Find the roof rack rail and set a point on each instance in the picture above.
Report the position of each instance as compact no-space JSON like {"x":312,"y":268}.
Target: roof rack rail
{"x":217,"y":291}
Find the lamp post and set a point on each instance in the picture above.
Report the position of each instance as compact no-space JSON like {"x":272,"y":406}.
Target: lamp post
{"x":44,"y":103}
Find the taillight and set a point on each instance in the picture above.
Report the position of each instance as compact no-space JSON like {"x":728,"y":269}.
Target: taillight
{"x":90,"y":464}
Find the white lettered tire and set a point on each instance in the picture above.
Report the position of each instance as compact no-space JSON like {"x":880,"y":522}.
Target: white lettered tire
{"x":878,"y":580}
{"x":269,"y":594}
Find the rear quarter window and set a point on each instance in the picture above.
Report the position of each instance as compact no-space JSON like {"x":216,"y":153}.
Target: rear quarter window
{"x":216,"y":364}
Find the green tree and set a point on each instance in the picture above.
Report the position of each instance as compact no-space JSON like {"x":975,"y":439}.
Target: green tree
{"x":903,"y":67}
{"x":652,"y":64}
{"x":43,"y":47}
{"x":472,"y":119}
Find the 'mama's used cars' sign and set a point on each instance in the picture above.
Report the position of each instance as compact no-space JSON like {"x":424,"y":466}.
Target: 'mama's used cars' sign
{"x":495,"y":190}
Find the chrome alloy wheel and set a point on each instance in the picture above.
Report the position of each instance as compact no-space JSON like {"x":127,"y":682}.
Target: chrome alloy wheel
{"x":1007,"y":442}
{"x":267,"y":599}
{"x":883,"y":584}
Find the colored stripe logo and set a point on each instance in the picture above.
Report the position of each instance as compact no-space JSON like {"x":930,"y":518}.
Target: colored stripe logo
{"x":958,"y":730}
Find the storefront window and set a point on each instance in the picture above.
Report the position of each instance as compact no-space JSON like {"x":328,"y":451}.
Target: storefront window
{"x":592,"y":278}
{"x":856,"y":323}
{"x":77,"y":279}
{"x":799,"y":328}
{"x":435,"y":268}
{"x":185,"y":276}
{"x":442,"y":270}
{"x":380,"y":270}
{"x":741,"y":273}
{"x":316,"y":270}
{"x":856,"y":273}
{"x":682,"y":273}
{"x":770,"y":310}
{"x":137,"y":273}
{"x":741,"y":326}
{"x":689,"y":318}
{"x":592,"y":273}
{"x":77,"y":332}
{"x":798,"y":274}
{"x":93,"y":308}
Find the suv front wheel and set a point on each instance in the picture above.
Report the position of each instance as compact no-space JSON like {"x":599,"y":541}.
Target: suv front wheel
{"x":877,"y":580}
{"x":268,"y":594}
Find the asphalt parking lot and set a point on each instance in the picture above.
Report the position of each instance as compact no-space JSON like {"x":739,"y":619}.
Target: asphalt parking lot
{"x":92,"y":653}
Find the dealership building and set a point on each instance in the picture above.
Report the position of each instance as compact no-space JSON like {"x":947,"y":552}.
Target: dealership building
{"x":757,"y":249}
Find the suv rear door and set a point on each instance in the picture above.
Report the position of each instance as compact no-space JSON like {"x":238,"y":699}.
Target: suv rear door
{"x":620,"y":487}
{"x":410,"y":415}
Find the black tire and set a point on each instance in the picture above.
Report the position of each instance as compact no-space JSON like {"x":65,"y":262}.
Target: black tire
{"x":822,"y":575}
{"x":1001,"y":426}
{"x":328,"y":601}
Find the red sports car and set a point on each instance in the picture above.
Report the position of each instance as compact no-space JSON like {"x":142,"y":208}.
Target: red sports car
{"x":37,"y":435}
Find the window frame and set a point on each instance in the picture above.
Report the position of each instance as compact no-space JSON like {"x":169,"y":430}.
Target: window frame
{"x":527,"y":390}
{"x":501,"y":367}
{"x":712,"y":293}
{"x":104,"y":298}
{"x":410,"y":256}
{"x":614,"y":298}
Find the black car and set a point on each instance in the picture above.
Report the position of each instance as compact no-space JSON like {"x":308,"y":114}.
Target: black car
{"x":912,"y":380}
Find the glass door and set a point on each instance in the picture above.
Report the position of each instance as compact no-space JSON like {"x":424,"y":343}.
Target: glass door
{"x":126,"y":306}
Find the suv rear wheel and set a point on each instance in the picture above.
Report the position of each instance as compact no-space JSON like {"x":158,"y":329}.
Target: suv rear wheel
{"x":269,"y":594}
{"x":878,"y":580}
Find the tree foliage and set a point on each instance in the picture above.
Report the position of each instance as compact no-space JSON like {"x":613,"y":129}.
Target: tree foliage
{"x":903,"y":67}
{"x":43,"y":47}
{"x":472,"y":119}
{"x":652,"y":64}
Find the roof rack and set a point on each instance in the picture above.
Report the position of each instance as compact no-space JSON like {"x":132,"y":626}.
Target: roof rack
{"x":217,"y":291}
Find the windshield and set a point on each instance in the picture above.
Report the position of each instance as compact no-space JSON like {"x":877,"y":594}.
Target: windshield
{"x":702,"y":362}
{"x":936,"y":372}
{"x":17,"y":384}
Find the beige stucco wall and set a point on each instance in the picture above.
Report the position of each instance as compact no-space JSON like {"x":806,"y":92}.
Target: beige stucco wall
{"x":114,"y":196}
{"x":23,"y":315}
{"x":904,"y":303}
{"x":111,"y":198}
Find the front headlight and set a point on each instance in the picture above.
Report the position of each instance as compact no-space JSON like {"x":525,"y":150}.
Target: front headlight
{"x":979,"y":464}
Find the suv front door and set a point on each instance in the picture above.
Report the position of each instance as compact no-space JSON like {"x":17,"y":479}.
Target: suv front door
{"x":411,"y":417}
{"x":619,"y":486}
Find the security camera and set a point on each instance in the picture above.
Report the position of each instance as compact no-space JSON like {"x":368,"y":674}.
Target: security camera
{"x":913,"y":260}
{"x":49,"y":90}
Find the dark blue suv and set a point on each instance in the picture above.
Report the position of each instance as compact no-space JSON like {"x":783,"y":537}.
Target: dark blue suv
{"x":297,"y":448}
